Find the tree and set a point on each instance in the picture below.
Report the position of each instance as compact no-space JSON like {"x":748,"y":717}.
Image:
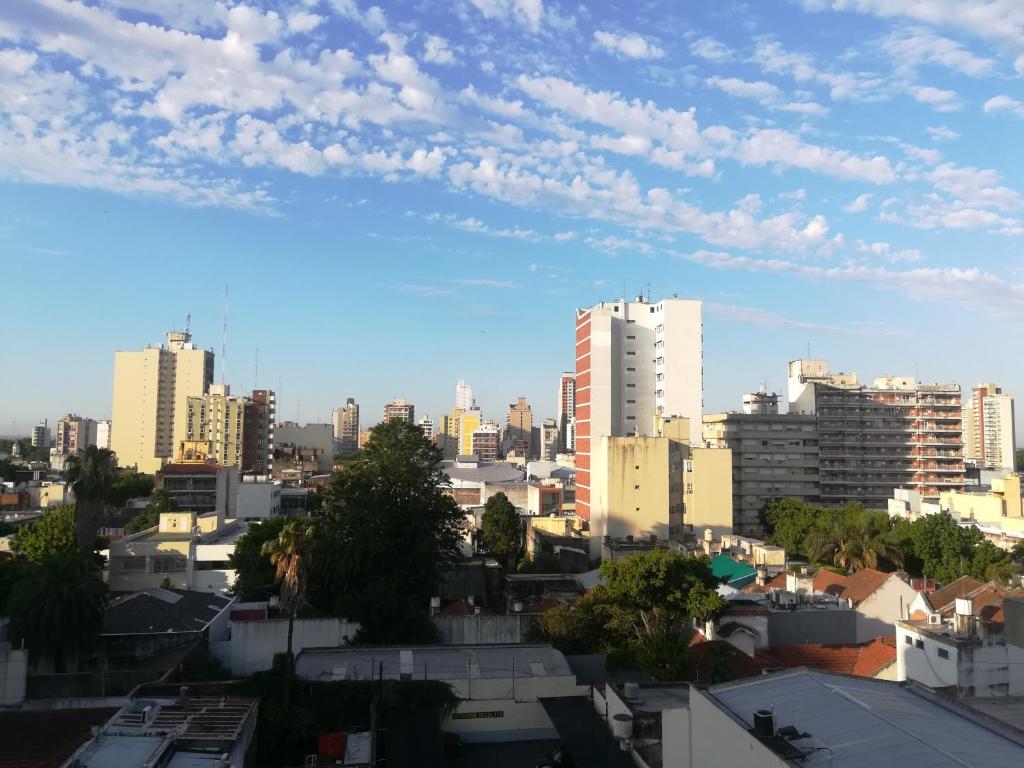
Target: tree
{"x":254,"y":573}
{"x":852,"y":538}
{"x":54,"y":534}
{"x":129,"y":485}
{"x":787,"y":523}
{"x":945,"y":547}
{"x":502,"y":530}
{"x":704,"y":604}
{"x":91,"y":475}
{"x":1019,"y":460}
{"x":390,"y":531}
{"x":159,"y":501}
{"x":57,"y":609}
{"x":290,"y":554}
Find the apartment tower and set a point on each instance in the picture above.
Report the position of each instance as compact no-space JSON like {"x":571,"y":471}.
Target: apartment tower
{"x":989,"y":434}
{"x":519,"y":428}
{"x":346,"y":427}
{"x":566,"y":408}
{"x":400,"y":409}
{"x":151,"y":391}
{"x":635,"y":361}
{"x":896,"y":433}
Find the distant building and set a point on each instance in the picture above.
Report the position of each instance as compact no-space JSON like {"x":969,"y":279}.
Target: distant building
{"x":469,"y":420}
{"x":549,"y":439}
{"x":989,"y":432}
{"x":566,"y":408}
{"x":519,"y":428}
{"x":774,"y":456}
{"x":896,"y":433}
{"x":346,"y":428}
{"x":309,"y":448}
{"x":401,"y":410}
{"x":74,"y":434}
{"x":761,"y":402}
{"x":447,"y":436}
{"x":464,"y":399}
{"x":103,"y":433}
{"x":151,"y":391}
{"x":41,"y":435}
{"x":238,"y":430}
{"x":426,"y":424}
{"x":364,"y":437}
{"x":634,"y":361}
{"x":486,"y":441}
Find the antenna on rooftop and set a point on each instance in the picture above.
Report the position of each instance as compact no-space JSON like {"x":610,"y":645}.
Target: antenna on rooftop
{"x":188,"y":322}
{"x":256,"y":376}
{"x":224,"y":339}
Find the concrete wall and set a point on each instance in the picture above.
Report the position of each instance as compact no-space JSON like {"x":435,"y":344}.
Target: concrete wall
{"x":828,"y":626}
{"x":252,"y":644}
{"x":719,"y":741}
{"x":878,"y":613}
{"x":483,"y":628}
{"x":258,"y":500}
{"x":708,"y":491}
{"x":675,"y":738}
{"x":13,"y":675}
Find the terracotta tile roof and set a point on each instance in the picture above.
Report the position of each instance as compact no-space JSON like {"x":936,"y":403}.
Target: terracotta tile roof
{"x":541,"y":606}
{"x":779,"y":582}
{"x":862,"y":584}
{"x":829,"y":582}
{"x":462,"y":607}
{"x":875,"y":656}
{"x":45,"y":739}
{"x":946,"y":596}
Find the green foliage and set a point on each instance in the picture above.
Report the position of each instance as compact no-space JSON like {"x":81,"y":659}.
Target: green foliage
{"x":54,"y":534}
{"x":159,"y":501}
{"x":12,"y":570}
{"x":502,"y":530}
{"x":787,"y":523}
{"x":256,"y":575}
{"x":1019,"y":460}
{"x":853,"y":538}
{"x":388,"y":533}
{"x":640,"y":615}
{"x":7,"y":470}
{"x":945,"y":548}
{"x":6,"y":529}
{"x":129,"y":485}
{"x":57,"y":608}
{"x":91,"y":475}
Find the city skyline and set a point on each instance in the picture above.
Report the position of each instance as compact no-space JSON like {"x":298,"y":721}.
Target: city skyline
{"x":400,"y":198}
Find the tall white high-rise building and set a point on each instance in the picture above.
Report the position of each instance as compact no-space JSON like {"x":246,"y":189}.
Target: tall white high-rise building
{"x":427,"y":425}
{"x":566,"y":408}
{"x":464,"y":399}
{"x":634,"y":361}
{"x":346,"y":427}
{"x":151,"y":391}
{"x":989,"y":434}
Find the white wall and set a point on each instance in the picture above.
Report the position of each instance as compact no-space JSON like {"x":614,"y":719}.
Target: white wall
{"x":258,"y":500}
{"x":879,"y":612}
{"x":718,"y":741}
{"x":253,"y":644}
{"x":675,"y":738}
{"x":923,"y":665}
{"x":13,"y":675}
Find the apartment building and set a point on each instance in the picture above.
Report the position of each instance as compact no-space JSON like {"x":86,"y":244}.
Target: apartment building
{"x":400,"y":409}
{"x":41,"y":435}
{"x":989,"y":433}
{"x":895,"y":433}
{"x":634,"y":361}
{"x":74,"y":435}
{"x":426,"y":424}
{"x":773,"y":456}
{"x":549,"y":439}
{"x":237,"y":430}
{"x":346,"y":427}
{"x":151,"y":391}
{"x":469,"y":420}
{"x":486,"y":441}
{"x":566,"y":408}
{"x":519,"y":429}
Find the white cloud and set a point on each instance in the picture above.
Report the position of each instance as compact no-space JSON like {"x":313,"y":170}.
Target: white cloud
{"x":710,"y":49}
{"x":613,"y":245}
{"x":913,"y":47}
{"x":1004,"y":104}
{"x":301,"y":22}
{"x":436,"y":51}
{"x":631,"y":46}
{"x":771,"y":146}
{"x":484,"y":282}
{"x":859,"y":204}
{"x":764,"y":93}
{"x":565,"y":236}
{"x":772,"y":57}
{"x":528,"y":12}
{"x":942,"y":133}
{"x":754,"y":316}
{"x":373,"y":19}
{"x":885,"y":251}
{"x":938,"y":98}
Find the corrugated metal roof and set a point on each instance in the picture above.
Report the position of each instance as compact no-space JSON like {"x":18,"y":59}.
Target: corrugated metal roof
{"x":865,"y":723}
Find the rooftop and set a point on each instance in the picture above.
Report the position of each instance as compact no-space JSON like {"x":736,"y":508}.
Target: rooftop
{"x":865,"y":723}
{"x":483,"y":472}
{"x":158,"y":610}
{"x":431,"y":662}
{"x":46,"y":738}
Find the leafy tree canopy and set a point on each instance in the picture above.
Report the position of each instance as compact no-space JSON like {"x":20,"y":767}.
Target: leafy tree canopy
{"x":256,"y":575}
{"x":54,"y":534}
{"x":502,"y":529}
{"x":129,"y":485}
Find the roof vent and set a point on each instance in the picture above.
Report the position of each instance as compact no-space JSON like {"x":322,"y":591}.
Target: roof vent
{"x":764,"y":723}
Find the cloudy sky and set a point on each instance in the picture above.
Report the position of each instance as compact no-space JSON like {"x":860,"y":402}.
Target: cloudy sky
{"x":405,"y":194}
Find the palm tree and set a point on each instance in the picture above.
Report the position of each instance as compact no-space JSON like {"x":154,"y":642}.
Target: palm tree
{"x":290,"y":553}
{"x":90,"y":475}
{"x":57,"y":608}
{"x":851,"y":543}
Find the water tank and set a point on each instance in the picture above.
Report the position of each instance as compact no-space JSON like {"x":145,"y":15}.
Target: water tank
{"x":622,"y":726}
{"x":631,"y":690}
{"x":764,"y":723}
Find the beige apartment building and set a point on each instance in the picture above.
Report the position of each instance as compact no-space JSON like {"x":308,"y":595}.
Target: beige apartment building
{"x":151,"y":391}
{"x":400,"y":409}
{"x":519,"y":428}
{"x":346,"y":428}
{"x":989,"y":434}
{"x":895,"y":433}
{"x":469,"y":421}
{"x":657,"y":486}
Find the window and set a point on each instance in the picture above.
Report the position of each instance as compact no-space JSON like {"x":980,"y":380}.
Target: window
{"x":636,"y":487}
{"x":630,"y":354}
{"x":943,"y":653}
{"x":630,"y":337}
{"x":630,"y":402}
{"x":908,"y":639}
{"x":133,"y":565}
{"x":919,"y":643}
{"x":631,"y":370}
{"x":168,"y":564}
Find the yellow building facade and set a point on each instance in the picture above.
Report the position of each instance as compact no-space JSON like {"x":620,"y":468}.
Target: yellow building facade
{"x":468,"y":421}
{"x":151,"y":391}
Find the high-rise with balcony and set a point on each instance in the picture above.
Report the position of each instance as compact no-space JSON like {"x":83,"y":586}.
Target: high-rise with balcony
{"x":566,"y":408}
{"x":235,"y":430}
{"x":400,"y":409}
{"x":469,"y":420}
{"x":635,"y":361}
{"x":895,"y":433}
{"x":989,"y":434}
{"x":346,"y":427}
{"x":464,"y":399}
{"x":151,"y":391}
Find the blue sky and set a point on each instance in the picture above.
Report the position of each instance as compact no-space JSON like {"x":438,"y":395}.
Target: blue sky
{"x":407,"y":194}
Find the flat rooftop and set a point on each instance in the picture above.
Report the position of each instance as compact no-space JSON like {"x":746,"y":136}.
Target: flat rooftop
{"x":867,"y":723}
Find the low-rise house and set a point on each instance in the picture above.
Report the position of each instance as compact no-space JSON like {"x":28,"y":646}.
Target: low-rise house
{"x":965,"y":648}
{"x":500,"y":687}
{"x":184,"y":551}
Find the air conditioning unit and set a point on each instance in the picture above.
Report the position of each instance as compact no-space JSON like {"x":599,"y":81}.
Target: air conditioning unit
{"x":934,"y":618}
